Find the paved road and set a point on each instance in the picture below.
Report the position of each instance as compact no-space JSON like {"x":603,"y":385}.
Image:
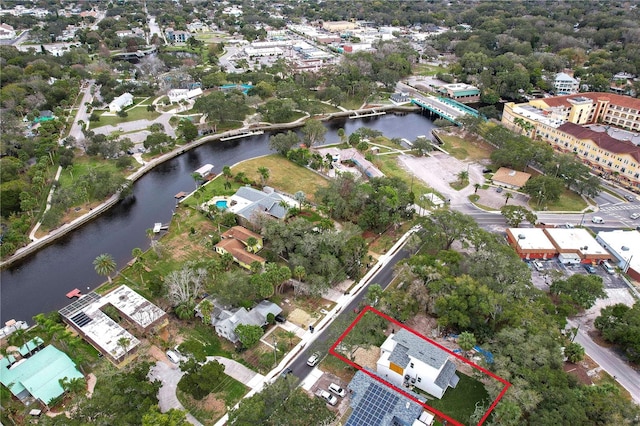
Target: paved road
{"x":610,"y":362}
{"x":87,"y":97}
{"x":383,"y":277}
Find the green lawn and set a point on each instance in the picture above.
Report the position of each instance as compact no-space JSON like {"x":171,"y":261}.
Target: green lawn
{"x":133,"y":114}
{"x":283,"y":175}
{"x":569,"y":201}
{"x":465,"y":149}
{"x":460,"y":403}
{"x":431,"y":70}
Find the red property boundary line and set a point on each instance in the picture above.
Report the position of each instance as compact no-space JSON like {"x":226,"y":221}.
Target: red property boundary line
{"x":366,"y":309}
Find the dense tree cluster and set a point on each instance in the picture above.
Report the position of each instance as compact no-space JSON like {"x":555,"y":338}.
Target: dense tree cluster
{"x":200,"y":380}
{"x":620,"y":324}
{"x":281,"y":403}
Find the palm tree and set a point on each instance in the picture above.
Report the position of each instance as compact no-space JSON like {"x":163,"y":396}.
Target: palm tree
{"x":138,"y":267}
{"x":136,"y":253}
{"x":463,"y":176}
{"x":196,"y":178}
{"x":206,"y":308}
{"x":507,"y":196}
{"x":226,"y":172}
{"x":466,"y":341}
{"x":123,"y":343}
{"x":476,"y":186}
{"x":105,"y":265}
{"x":290,"y":335}
{"x":341,"y":135}
{"x":264,"y":174}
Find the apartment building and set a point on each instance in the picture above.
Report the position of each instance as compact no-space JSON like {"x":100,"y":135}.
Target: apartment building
{"x":602,"y":129}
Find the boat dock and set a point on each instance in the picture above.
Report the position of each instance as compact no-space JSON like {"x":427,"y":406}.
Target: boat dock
{"x":157,"y":227}
{"x":242,"y":135}
{"x":11,"y":326}
{"x":373,"y":112}
{"x":74,"y":293}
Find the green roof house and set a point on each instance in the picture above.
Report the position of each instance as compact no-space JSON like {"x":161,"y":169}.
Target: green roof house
{"x":38,"y":377}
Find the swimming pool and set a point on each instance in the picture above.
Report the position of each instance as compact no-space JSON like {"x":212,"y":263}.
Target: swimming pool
{"x":221,"y":204}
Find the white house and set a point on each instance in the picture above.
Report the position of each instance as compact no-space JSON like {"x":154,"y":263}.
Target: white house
{"x":409,"y":360}
{"x":121,"y":102}
{"x":177,"y":95}
{"x":225,"y":321}
{"x":7,"y":32}
{"x":564,"y":84}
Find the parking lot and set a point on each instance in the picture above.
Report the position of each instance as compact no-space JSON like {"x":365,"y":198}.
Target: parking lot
{"x":551,"y":268}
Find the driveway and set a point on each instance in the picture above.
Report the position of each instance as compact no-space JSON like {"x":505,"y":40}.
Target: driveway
{"x":170,"y":374}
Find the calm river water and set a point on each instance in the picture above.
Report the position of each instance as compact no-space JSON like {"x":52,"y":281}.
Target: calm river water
{"x":39,"y":283}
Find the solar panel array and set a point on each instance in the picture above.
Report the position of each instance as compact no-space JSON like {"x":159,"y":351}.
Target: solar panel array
{"x":374,"y":405}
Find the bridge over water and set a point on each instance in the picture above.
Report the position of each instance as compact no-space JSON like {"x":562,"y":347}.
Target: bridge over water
{"x":446,"y":108}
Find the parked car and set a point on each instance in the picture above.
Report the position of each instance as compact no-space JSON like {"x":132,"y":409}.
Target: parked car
{"x":597,"y":219}
{"x":173,"y":357}
{"x":337,"y":390}
{"x":499,"y":189}
{"x":630,"y":198}
{"x":634,"y":216}
{"x":313,"y":359}
{"x":331,"y":399}
{"x":286,"y":372}
{"x":607,"y":267}
{"x":280,"y":318}
{"x":538,"y":265}
{"x":590,"y":269}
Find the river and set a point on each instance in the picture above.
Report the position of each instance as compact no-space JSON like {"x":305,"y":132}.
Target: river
{"x":40,"y":282}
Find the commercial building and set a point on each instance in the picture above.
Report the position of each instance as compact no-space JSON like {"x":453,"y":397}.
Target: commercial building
{"x":86,"y":316}
{"x":336,"y":26}
{"x":572,"y":245}
{"x":7,"y":32}
{"x":461,"y":92}
{"x":38,"y":374}
{"x":625,"y":248}
{"x":601,"y":129}
{"x":511,"y":179}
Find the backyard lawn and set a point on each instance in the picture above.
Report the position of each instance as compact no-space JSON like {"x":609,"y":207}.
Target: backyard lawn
{"x":284,"y":175}
{"x":460,"y":403}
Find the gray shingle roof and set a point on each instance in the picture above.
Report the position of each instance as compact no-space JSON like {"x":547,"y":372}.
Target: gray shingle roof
{"x":262,"y":202}
{"x":399,"y":356}
{"x":445,"y":377}
{"x":420,"y":349}
{"x":376,"y":404}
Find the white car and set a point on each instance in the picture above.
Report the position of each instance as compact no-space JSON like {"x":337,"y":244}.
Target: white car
{"x":313,"y":359}
{"x":173,"y":357}
{"x":538,"y":265}
{"x":331,"y":399}
{"x":634,"y":216}
{"x":337,"y":390}
{"x":597,"y":219}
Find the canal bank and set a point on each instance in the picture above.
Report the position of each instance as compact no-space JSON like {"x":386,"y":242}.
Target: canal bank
{"x":38,"y":282}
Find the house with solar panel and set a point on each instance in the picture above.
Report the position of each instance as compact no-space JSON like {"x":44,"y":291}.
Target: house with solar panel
{"x":374,"y":403}
{"x":86,"y":316}
{"x":407,"y":360}
{"x":36,"y":371}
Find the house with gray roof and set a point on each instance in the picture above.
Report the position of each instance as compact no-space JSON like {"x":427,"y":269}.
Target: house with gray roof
{"x":225,"y":320}
{"x":249,"y":202}
{"x":375,"y":404}
{"x":407,"y":360}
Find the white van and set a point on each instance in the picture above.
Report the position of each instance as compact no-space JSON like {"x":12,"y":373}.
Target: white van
{"x":173,"y":357}
{"x":607,"y":267}
{"x":597,"y":219}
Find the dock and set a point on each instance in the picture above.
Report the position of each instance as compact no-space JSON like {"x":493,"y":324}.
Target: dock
{"x":157,"y":227}
{"x":74,"y":293}
{"x":242,"y":135}
{"x":11,"y":326}
{"x":373,"y":112}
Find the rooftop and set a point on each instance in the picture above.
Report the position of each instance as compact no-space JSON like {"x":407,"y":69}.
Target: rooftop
{"x":575,"y":239}
{"x":531,"y":239}
{"x":418,"y":348}
{"x":511,"y":177}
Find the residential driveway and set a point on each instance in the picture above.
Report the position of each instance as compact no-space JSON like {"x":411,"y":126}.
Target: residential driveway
{"x":169,"y":375}
{"x":238,"y":371}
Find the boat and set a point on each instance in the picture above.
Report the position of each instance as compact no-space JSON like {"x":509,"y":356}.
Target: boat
{"x":11,"y":326}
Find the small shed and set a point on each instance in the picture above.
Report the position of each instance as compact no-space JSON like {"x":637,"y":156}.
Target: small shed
{"x":204,"y":171}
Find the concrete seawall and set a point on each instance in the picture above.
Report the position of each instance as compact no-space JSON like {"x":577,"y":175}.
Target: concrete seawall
{"x":147,"y":167}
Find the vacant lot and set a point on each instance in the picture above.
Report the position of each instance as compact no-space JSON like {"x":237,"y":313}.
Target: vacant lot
{"x":464,"y":146}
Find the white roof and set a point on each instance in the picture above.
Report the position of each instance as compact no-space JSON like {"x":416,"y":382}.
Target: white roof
{"x":532,"y":239}
{"x":625,"y":245}
{"x":576,"y":239}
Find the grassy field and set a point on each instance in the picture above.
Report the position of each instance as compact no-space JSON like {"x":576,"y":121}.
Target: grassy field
{"x":430,"y":70}
{"x":459,"y":403}
{"x":133,"y":114}
{"x":284,"y":175}
{"x":388,"y":164}
{"x":465,"y":149}
{"x":569,"y":201}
